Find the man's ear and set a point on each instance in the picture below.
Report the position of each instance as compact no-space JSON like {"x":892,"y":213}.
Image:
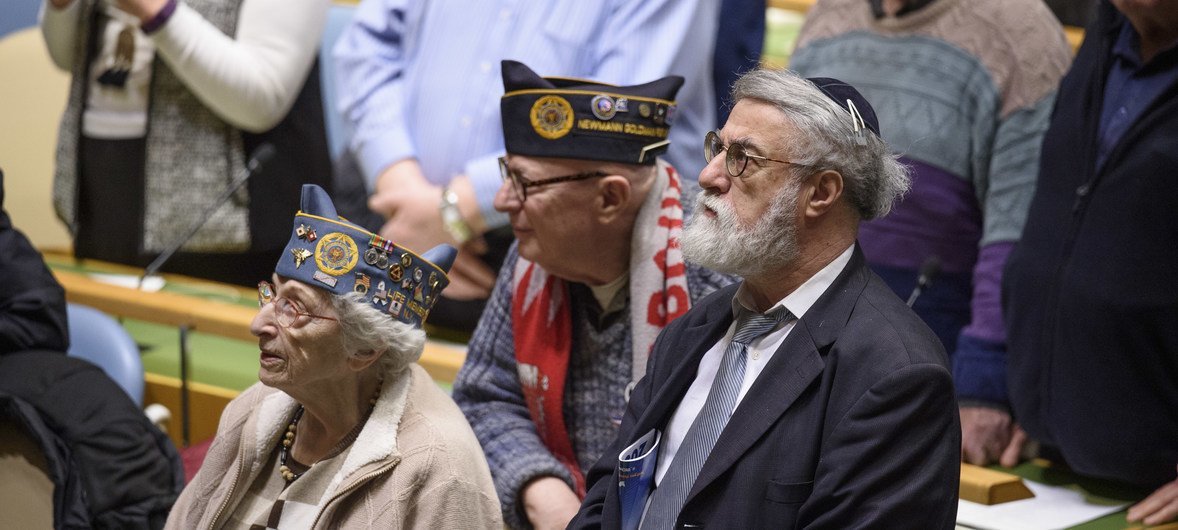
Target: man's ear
{"x":823,"y":191}
{"x":613,"y":196}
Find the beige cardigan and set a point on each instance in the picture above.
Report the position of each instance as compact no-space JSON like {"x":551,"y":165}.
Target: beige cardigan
{"x":416,"y":463}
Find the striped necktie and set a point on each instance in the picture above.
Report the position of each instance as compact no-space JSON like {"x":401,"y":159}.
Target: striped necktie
{"x":668,"y":498}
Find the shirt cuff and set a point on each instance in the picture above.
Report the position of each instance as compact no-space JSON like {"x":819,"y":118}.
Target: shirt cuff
{"x":485,"y":179}
{"x":162,"y":17}
{"x":376,"y":153}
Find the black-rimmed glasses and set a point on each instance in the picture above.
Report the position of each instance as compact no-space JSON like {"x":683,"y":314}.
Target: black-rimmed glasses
{"x":520,"y":184}
{"x":285,"y":311}
{"x":737,"y":157}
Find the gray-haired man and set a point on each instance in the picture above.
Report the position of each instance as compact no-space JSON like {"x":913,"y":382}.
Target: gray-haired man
{"x":839,"y":410}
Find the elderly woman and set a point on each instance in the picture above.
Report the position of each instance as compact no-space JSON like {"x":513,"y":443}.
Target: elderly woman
{"x":345,"y":430}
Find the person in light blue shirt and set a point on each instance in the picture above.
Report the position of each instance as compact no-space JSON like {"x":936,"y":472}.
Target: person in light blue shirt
{"x":419,"y":86}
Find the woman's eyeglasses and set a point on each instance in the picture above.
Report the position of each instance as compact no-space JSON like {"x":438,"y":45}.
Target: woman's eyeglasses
{"x":285,"y":311}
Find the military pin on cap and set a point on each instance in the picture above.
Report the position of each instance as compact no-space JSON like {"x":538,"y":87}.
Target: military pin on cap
{"x":300,"y":255}
{"x":603,"y":107}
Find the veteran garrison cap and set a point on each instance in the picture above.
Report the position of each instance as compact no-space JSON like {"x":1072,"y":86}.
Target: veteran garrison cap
{"x":581,"y":119}
{"x":329,"y":252}
{"x":849,"y":100}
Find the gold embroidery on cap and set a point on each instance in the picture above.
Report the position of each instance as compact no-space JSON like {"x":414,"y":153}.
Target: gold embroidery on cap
{"x":552,"y":117}
{"x":336,"y":254}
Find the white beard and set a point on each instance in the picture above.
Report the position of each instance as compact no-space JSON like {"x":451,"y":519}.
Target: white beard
{"x":720,"y":243}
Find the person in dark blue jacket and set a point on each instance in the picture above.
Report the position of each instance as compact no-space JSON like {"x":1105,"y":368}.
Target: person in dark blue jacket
{"x":1091,"y":291}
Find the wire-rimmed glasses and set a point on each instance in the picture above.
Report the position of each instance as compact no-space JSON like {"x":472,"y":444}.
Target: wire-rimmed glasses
{"x":737,"y":158}
{"x":285,"y":311}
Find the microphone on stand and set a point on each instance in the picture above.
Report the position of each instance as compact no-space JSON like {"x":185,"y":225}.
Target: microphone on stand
{"x":262,"y":156}
{"x":928,"y":271}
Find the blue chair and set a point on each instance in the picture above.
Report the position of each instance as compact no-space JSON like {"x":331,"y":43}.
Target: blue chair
{"x":100,"y":339}
{"x":16,"y":15}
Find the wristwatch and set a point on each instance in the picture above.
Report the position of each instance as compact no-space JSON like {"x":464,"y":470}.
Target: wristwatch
{"x":452,"y":219}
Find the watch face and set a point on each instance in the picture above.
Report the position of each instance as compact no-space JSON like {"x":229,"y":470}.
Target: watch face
{"x":452,"y":219}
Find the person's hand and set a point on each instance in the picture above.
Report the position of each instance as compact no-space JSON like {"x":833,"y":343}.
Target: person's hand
{"x":409,"y":204}
{"x":144,"y":10}
{"x":1160,"y":507}
{"x":989,"y":435}
{"x":470,"y":278}
{"x":549,"y":503}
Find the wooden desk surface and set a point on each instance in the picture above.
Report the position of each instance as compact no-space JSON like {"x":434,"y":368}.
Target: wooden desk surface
{"x":225,"y":319}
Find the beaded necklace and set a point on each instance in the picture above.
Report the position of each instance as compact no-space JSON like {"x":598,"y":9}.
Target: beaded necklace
{"x":288,"y":440}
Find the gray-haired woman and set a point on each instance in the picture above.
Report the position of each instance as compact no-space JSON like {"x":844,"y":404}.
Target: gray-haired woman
{"x":344,"y":429}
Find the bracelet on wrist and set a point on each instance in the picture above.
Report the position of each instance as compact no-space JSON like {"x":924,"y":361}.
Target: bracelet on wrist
{"x":162,"y":17}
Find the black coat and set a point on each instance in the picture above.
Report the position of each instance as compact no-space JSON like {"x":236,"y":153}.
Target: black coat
{"x":32,"y":303}
{"x":110,"y":467}
{"x":852,"y":424}
{"x":1091,"y":291}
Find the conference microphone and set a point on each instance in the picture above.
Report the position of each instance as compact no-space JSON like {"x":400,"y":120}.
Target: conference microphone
{"x":928,"y":271}
{"x":262,"y":155}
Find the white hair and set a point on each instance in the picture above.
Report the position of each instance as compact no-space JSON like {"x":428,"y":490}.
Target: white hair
{"x":720,"y":243}
{"x":872,"y":177}
{"x":366,"y":329}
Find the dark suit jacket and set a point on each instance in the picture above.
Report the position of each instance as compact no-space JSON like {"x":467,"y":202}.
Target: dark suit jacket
{"x":852,"y":424}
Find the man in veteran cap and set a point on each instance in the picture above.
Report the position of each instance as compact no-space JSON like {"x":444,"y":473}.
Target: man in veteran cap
{"x":344,"y":430}
{"x":595,"y":274}
{"x":809,"y":395}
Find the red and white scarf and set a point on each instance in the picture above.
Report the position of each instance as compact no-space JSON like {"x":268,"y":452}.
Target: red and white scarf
{"x":542,"y":321}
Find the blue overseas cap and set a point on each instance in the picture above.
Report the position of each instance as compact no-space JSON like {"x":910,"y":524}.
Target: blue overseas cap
{"x":329,"y":252}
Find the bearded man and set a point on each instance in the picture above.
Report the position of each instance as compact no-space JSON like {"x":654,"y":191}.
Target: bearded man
{"x":809,"y":395}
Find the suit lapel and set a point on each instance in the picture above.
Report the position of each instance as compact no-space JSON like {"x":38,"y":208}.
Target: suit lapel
{"x":687,"y":350}
{"x":790,"y":372}
{"x":795,"y":364}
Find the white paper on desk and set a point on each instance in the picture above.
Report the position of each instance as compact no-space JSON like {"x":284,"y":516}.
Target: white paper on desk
{"x":151,"y":284}
{"x":1052,"y":507}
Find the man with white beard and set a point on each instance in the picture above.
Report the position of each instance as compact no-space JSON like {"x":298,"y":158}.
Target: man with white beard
{"x":808,"y":395}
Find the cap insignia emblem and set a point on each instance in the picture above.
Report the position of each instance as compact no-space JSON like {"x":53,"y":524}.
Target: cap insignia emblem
{"x":552,"y":117}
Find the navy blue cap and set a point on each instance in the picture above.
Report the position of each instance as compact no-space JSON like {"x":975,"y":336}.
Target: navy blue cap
{"x":841,"y":93}
{"x":587,"y":120}
{"x":329,"y":252}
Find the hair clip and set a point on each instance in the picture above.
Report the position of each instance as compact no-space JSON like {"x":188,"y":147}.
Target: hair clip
{"x":858,"y":123}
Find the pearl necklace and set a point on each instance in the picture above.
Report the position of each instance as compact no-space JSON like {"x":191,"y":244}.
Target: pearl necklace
{"x":288,"y":439}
